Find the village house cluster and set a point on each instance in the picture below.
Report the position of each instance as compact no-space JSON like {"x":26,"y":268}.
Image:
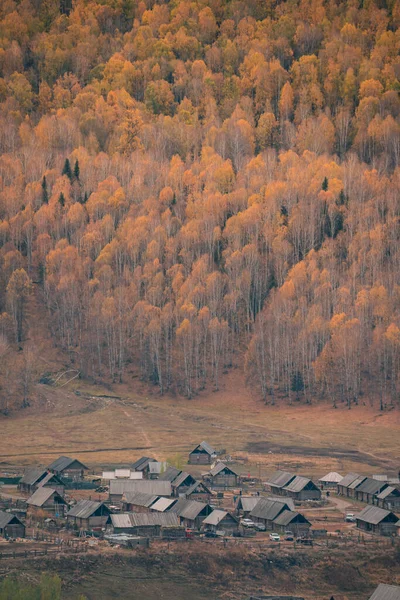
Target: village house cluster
{"x":154,"y":500}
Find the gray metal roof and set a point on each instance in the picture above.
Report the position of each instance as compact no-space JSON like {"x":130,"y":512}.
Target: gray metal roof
{"x":128,"y":520}
{"x":170,"y":474}
{"x":268,"y":509}
{"x":216,"y":517}
{"x":140,"y":499}
{"x":41,"y":495}
{"x":49,"y":477}
{"x":331,"y":477}
{"x":356,"y":482}
{"x":84,"y":509}
{"x":373,"y":515}
{"x":219,"y":467}
{"x":32,"y":475}
{"x":288,"y":516}
{"x":247,"y":503}
{"x":142,"y":463}
{"x":286,"y":500}
{"x":348,"y":479}
{"x":63,"y":462}
{"x":206,"y":447}
{"x":386,"y":592}
{"x":6,"y":518}
{"x":371,"y":486}
{"x":154,"y":487}
{"x":298,"y":484}
{"x":387,"y":492}
{"x":163,"y":504}
{"x":280,"y":478}
{"x":195,"y":486}
{"x":188,"y":509}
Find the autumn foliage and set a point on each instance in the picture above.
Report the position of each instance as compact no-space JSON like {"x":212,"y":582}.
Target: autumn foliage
{"x":185,"y":184}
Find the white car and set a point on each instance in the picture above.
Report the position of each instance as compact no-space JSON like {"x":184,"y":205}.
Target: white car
{"x":247,"y":523}
{"x":350,"y":518}
{"x":274,"y":537}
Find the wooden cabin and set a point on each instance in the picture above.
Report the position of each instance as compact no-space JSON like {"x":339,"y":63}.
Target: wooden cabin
{"x":223,"y":476}
{"x":88,"y":515}
{"x":203,"y":454}
{"x":368,"y":489}
{"x":377,"y":520}
{"x":221,"y":520}
{"x":191,"y":514}
{"x":289,"y":520}
{"x":68,"y":468}
{"x":10,"y":526}
{"x":47,"y":500}
{"x":302,"y":488}
{"x":150,"y":525}
{"x":389,"y":498}
{"x":199,"y":491}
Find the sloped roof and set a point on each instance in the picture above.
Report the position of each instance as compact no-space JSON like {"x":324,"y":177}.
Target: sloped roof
{"x":386,"y":592}
{"x":286,"y":500}
{"x":248,"y":502}
{"x":181,"y":478}
{"x":354,"y":484}
{"x":196,"y":485}
{"x":216,"y":517}
{"x":371,"y":486}
{"x":288,"y":516}
{"x":128,"y":520}
{"x":373,"y":515}
{"x":6,"y":518}
{"x":141,"y":463}
{"x":154,"y":487}
{"x":49,"y":477}
{"x":156,"y":467}
{"x":31,"y":476}
{"x":169,"y":474}
{"x":140,"y":499}
{"x":298,"y":484}
{"x":331,"y":477}
{"x":85,"y":509}
{"x":188,"y":509}
{"x":349,"y":478}
{"x":41,"y":495}
{"x":387,"y":492}
{"x":268,"y":509}
{"x":206,"y":447}
{"x":219,"y":467}
{"x":163,"y":504}
{"x":280,"y":478}
{"x":63,"y":462}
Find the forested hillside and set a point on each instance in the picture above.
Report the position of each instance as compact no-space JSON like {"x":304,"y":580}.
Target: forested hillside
{"x":189,"y":186}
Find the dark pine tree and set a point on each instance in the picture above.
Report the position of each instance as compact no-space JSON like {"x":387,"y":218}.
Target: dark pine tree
{"x":67,"y":169}
{"x":61,"y":199}
{"x":76,"y":170}
{"x":45,"y":194}
{"x":325,"y":184}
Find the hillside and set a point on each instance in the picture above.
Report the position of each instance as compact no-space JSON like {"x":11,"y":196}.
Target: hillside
{"x":194,"y":189}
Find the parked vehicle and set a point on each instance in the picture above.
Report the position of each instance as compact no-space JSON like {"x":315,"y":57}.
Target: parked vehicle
{"x":289,"y":536}
{"x":304,"y":541}
{"x":260,"y":527}
{"x":350,"y":518}
{"x":274,"y":537}
{"x":210,"y":534}
{"x":248,"y":523}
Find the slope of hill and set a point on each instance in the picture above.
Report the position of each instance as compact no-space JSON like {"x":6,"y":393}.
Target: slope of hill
{"x":187,"y":187}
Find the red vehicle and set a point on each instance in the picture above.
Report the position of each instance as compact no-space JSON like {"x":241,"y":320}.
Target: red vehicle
{"x":189,"y":534}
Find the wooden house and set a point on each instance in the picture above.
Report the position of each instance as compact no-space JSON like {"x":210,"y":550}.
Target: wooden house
{"x":142,"y":464}
{"x":220,"y":520}
{"x":163,"y":504}
{"x":266,"y":510}
{"x":245,"y":504}
{"x":145,"y":525}
{"x":10,"y":526}
{"x":199,"y":491}
{"x":203,"y":454}
{"x":389,"y":498}
{"x":330,"y":480}
{"x":89,"y":515}
{"x":35,"y":478}
{"x":302,"y":488}
{"x":138,"y":502}
{"x":368,"y":489}
{"x":386,"y":592}
{"x":343,"y":485}
{"x":47,"y":500}
{"x":377,"y":520}
{"x":180,"y":481}
{"x":155,"y":488}
{"x":223,"y":476}
{"x":191,"y":513}
{"x":68,"y":468}
{"x":289,"y":520}
{"x":278,"y":481}
{"x":352,"y":487}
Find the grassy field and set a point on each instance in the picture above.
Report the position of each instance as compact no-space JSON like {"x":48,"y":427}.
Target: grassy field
{"x":103,"y":427}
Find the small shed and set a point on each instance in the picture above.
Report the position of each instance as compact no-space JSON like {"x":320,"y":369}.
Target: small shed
{"x":330,"y":480}
{"x":220,"y":520}
{"x":10,"y":526}
{"x":302,"y":488}
{"x":87,"y":514}
{"x":386,"y":592}
{"x":389,"y":498}
{"x":278,"y":481}
{"x":293,"y":521}
{"x":368,"y":489}
{"x":223,"y":476}
{"x":191,"y":513}
{"x":68,"y":468}
{"x":138,"y":502}
{"x":203,"y":454}
{"x":199,"y":491}
{"x":48,"y":500}
{"x":377,"y":520}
